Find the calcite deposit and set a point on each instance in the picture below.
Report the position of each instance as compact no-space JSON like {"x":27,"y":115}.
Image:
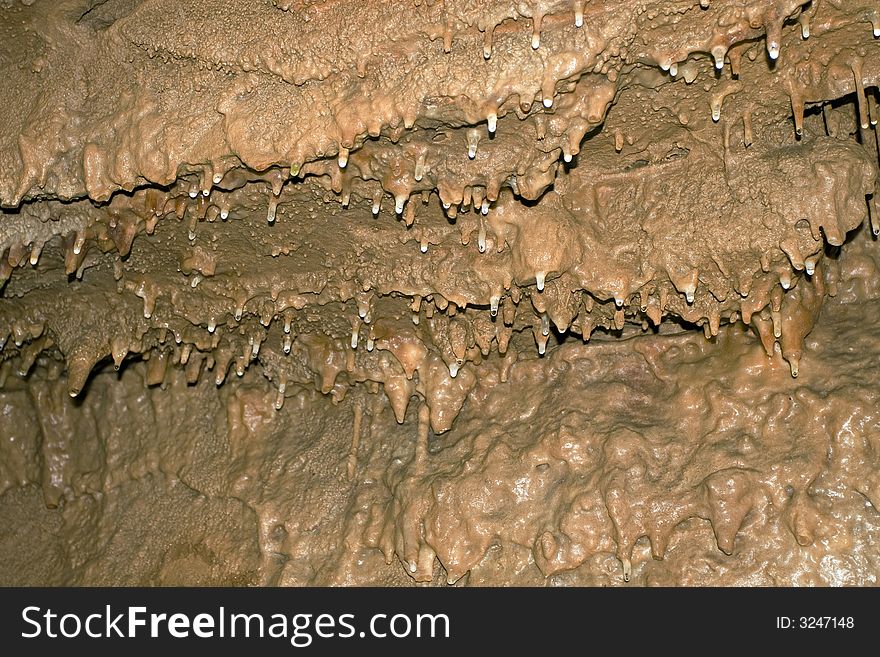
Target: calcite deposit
{"x":546,"y":292}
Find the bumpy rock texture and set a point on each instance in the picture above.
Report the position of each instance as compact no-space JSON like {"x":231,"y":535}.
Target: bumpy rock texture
{"x":359,"y":292}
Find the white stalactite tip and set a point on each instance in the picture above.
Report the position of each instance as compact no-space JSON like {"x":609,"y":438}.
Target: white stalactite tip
{"x":493,"y":305}
{"x":473,"y":139}
{"x":805,"y":30}
{"x":212,"y":326}
{"x":536,"y":40}
{"x":540,"y":277}
{"x":548,"y":102}
{"x":218,"y":178}
{"x":492,"y":123}
{"x":224,"y":214}
{"x":453,"y":370}
{"x":193,"y":192}
{"x":423,"y":247}
{"x":354,"y":339}
{"x":718,"y":52}
{"x":673,"y":69}
{"x":376,"y":207}
{"x":542,"y":347}
{"x":399,"y":202}
{"x":370,"y":344}
{"x":716,"y":112}
{"x":270,"y":213}
{"x":689,"y":295}
{"x":481,"y":240}
{"x":579,"y":18}
{"x":810,"y":267}
{"x":343,"y":158}
{"x":206,"y":192}
{"x":566,"y":157}
{"x":484,"y":207}
{"x":773,"y":50}
{"x":545,"y":325}
{"x":618,"y":302}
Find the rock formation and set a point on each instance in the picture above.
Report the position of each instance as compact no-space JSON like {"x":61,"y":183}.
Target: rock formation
{"x":334,"y":292}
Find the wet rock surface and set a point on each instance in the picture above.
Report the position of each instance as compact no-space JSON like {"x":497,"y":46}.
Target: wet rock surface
{"x":543,"y":292}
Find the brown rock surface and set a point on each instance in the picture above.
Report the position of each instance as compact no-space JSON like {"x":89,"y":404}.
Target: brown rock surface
{"x":333,"y":292}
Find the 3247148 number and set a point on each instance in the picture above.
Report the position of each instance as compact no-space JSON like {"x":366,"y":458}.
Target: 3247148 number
{"x":815,"y":622}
